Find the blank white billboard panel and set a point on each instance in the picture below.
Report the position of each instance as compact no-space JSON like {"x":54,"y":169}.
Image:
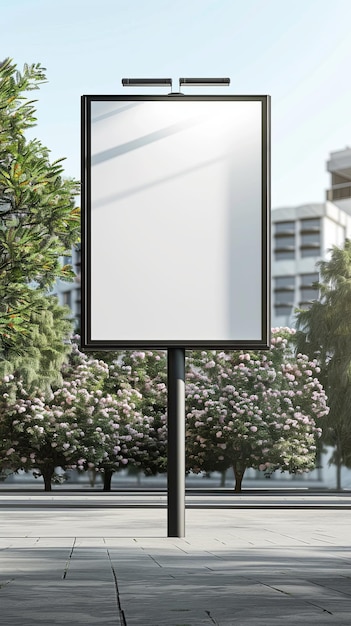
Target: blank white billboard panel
{"x":175,"y":231}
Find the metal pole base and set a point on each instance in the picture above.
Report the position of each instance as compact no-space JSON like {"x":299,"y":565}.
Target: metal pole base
{"x":176,"y":443}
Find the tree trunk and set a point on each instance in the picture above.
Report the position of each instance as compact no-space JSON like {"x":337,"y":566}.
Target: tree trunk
{"x":107,"y":479}
{"x":338,"y":464}
{"x":338,"y":475}
{"x":239,"y":472}
{"x":92,"y":477}
{"x":223,"y":477}
{"x":47,"y":476}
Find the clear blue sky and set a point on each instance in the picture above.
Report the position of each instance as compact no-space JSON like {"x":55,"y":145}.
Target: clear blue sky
{"x":299,"y":52}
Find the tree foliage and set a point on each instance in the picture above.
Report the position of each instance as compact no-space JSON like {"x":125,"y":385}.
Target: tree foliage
{"x":39,"y":223}
{"x":324,"y":333}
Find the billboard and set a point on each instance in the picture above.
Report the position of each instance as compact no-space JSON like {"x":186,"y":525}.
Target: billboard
{"x":175,"y":225}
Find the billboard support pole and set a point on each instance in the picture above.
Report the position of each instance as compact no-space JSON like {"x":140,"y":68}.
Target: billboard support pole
{"x":176,"y":443}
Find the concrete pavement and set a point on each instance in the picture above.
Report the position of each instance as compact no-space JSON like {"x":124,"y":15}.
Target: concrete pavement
{"x":113,"y":565}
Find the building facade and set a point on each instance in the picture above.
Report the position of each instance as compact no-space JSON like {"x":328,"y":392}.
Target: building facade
{"x":302,"y":236}
{"x":339,"y":166}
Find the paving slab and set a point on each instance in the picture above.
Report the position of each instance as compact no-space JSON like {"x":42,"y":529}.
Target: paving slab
{"x":235,"y":567}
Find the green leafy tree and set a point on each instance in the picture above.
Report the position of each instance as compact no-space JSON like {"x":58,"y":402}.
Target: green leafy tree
{"x":47,"y":342}
{"x":324,"y":333}
{"x":39,"y":223}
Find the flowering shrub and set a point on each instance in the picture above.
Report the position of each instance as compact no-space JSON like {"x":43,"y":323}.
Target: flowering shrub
{"x":74,"y":426}
{"x":254,"y":410}
{"x":146,"y":373}
{"x":244,"y":409}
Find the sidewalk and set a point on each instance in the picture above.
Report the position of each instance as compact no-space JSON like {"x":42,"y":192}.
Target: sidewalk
{"x":72,"y":566}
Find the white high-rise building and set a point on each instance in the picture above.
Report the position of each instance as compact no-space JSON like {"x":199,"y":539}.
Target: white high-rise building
{"x":304,"y":235}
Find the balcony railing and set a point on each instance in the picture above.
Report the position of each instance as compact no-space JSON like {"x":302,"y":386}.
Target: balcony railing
{"x":339,"y":192}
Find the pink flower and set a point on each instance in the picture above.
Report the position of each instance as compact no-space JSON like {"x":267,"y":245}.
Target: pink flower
{"x":210,"y":364}
{"x":253,"y":429}
{"x":219,"y":434}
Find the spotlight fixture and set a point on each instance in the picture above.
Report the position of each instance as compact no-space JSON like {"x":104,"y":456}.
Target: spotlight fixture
{"x":204,"y":82}
{"x":147,"y":82}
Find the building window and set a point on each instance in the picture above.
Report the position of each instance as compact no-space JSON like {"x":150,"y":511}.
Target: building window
{"x":284,"y":240}
{"x":284,"y":297}
{"x":284,"y":294}
{"x":67,"y":298}
{"x":285,"y":228}
{"x":310,"y":251}
{"x":341,"y":188}
{"x":307,"y":295}
{"x":310,"y":237}
{"x":308,"y":289}
{"x":283,"y":310}
{"x":67,"y":260}
{"x":284,"y":282}
{"x":313,"y":239}
{"x":311,"y":225}
{"x":307,"y":280}
{"x":281,"y":255}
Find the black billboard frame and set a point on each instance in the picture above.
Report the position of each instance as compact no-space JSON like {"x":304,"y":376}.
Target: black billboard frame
{"x":89,"y":344}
